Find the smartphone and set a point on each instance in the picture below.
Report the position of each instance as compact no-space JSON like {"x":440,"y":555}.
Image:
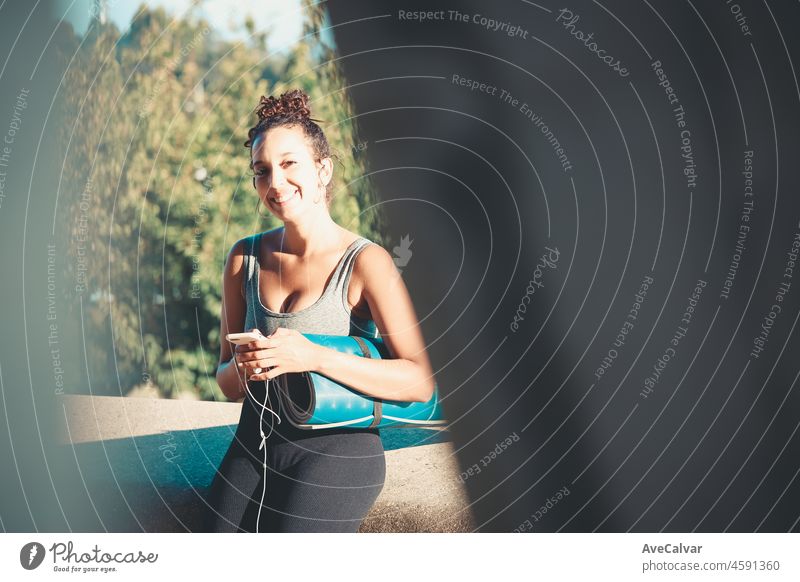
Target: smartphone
{"x":244,"y":338}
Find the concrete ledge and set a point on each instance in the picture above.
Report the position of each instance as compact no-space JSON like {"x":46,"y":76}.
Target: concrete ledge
{"x":150,"y":462}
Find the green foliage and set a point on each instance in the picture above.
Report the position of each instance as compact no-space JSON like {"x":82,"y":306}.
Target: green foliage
{"x":156,"y":185}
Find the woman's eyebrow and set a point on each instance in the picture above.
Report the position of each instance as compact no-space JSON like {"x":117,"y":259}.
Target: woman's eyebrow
{"x":283,"y":154}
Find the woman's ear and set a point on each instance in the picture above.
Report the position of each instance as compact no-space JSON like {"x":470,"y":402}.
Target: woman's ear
{"x":325,"y":171}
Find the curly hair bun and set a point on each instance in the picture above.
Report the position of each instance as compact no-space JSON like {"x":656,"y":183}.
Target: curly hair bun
{"x":289,"y":110}
{"x":291,"y":104}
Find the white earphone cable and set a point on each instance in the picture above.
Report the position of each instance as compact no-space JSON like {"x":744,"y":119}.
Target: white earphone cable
{"x":263,"y":444}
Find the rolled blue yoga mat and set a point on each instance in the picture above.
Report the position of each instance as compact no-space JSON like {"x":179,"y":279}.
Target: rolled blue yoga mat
{"x":313,"y":401}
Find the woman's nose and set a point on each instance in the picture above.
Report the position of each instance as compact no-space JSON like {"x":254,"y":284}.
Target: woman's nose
{"x":277,"y":179}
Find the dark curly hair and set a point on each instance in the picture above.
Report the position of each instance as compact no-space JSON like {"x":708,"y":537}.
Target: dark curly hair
{"x":291,"y":110}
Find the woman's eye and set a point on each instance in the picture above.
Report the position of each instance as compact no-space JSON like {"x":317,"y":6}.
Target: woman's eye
{"x":265,"y":171}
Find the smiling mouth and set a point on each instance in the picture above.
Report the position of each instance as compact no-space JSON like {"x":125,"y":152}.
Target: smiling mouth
{"x":280,"y":200}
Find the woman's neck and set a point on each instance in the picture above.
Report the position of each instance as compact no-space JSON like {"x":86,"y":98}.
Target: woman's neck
{"x":304,"y":239}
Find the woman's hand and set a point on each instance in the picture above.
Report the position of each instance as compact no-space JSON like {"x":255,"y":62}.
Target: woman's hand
{"x":283,"y":351}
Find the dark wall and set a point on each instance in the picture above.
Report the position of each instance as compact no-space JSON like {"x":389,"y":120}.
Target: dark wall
{"x":674,"y":191}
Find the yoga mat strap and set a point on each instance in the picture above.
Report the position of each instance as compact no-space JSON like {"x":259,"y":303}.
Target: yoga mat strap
{"x":377,"y":404}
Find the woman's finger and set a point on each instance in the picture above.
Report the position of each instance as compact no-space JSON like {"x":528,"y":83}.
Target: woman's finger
{"x":260,"y":354}
{"x":258,"y":361}
{"x":262,"y":376}
{"x":253,"y":346}
{"x":258,"y":365}
{"x":272,"y":372}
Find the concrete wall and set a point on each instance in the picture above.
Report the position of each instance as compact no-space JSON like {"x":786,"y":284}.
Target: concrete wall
{"x":147,"y":464}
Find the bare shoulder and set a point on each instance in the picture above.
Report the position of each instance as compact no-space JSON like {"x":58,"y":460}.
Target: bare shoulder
{"x":373,"y":261}
{"x":235,"y":260}
{"x":271,"y":239}
{"x":234,"y":264}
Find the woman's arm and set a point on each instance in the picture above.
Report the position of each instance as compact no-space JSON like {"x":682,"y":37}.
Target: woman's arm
{"x":408,"y":376}
{"x":232,"y":319}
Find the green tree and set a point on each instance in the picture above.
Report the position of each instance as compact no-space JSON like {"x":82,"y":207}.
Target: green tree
{"x":161,"y":113}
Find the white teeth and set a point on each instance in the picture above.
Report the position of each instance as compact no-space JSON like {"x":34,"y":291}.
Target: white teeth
{"x":285,"y":198}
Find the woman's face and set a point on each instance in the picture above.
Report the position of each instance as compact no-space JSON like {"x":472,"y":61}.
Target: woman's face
{"x":288,"y":179}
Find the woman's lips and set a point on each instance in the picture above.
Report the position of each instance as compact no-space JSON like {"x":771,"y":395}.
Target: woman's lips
{"x":283,"y":201}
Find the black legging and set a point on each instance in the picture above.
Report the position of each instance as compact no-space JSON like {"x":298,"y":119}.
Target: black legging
{"x":320,"y":481}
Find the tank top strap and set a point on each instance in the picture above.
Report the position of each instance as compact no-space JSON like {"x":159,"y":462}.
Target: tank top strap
{"x":250,"y":261}
{"x":345,"y":269}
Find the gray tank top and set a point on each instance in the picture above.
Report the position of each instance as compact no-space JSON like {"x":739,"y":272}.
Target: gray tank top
{"x":330,"y":314}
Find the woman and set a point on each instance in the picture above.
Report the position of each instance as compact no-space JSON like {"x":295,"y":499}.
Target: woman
{"x":308,"y":276}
